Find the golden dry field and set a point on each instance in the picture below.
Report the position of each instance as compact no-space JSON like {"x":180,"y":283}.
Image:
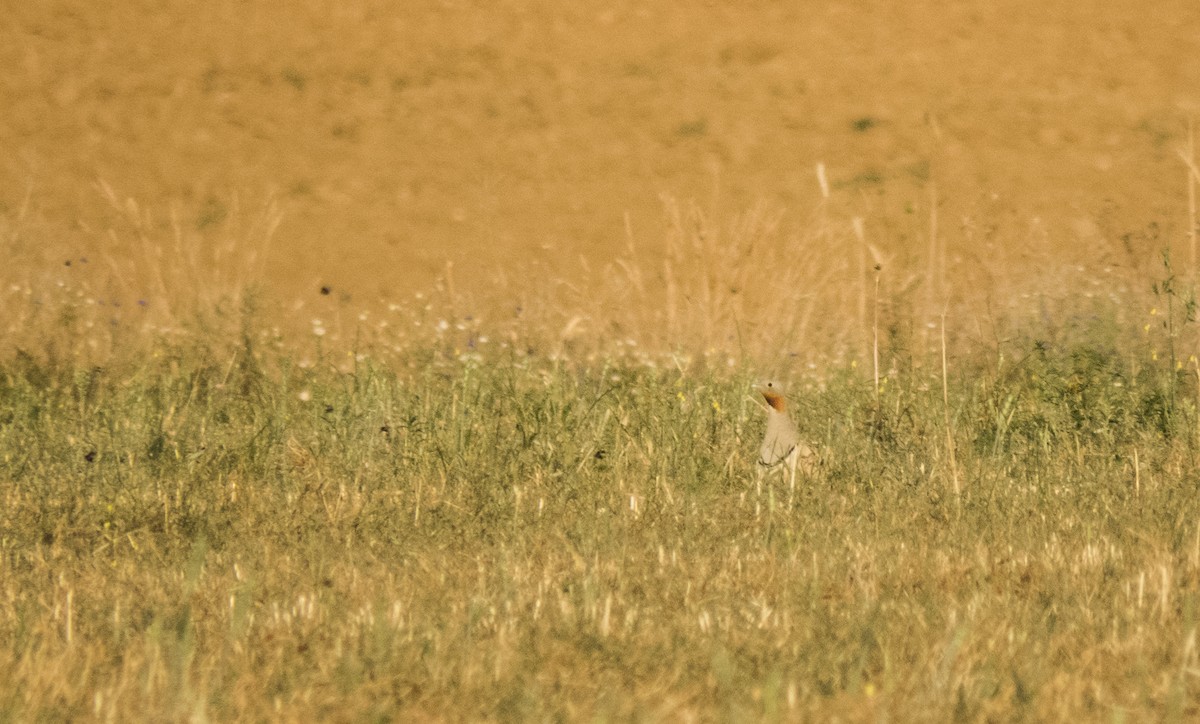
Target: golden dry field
{"x":506,"y":137}
{"x":367,"y":361}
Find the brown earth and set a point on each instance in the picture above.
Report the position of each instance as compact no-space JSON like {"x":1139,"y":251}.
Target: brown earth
{"x":397,"y":136}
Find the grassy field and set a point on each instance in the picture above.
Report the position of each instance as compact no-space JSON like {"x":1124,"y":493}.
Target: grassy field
{"x":438,"y":517}
{"x":370,"y":362}
{"x":218,"y":508}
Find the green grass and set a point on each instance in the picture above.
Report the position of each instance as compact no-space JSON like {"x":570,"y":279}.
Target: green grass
{"x":198,"y":533}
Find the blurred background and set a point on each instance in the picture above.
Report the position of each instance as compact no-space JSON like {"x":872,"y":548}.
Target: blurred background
{"x":376,"y":149}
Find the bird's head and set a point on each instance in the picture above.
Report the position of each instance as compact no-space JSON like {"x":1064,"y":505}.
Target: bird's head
{"x":772,"y":392}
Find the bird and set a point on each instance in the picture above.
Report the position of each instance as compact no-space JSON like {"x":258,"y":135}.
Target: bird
{"x":782,"y":447}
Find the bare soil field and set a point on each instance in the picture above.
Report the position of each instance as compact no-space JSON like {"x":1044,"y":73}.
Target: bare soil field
{"x":504,"y":137}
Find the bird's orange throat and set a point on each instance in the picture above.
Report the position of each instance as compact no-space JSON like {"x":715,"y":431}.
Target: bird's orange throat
{"x":775,"y":400}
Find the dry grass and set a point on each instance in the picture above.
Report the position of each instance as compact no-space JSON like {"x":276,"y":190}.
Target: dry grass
{"x":521,"y":538}
{"x":258,"y":464}
{"x":425,"y":513}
